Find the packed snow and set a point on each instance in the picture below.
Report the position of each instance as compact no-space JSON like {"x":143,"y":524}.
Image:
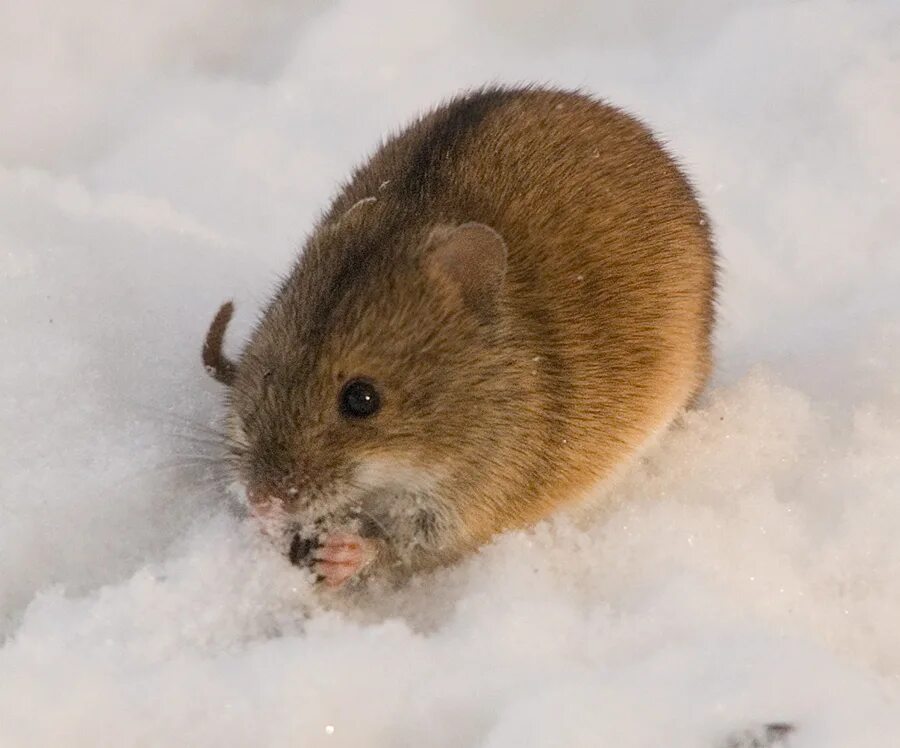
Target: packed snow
{"x":159,"y":157}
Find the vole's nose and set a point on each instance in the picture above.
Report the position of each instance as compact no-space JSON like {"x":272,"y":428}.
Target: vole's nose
{"x":266,"y":500}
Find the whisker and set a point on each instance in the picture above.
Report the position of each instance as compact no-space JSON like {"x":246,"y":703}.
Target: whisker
{"x":210,"y":482}
{"x":200,"y":440}
{"x":192,"y":461}
{"x":182,"y":421}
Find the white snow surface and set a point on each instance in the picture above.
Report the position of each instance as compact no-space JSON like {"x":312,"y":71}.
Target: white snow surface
{"x":158,"y":157}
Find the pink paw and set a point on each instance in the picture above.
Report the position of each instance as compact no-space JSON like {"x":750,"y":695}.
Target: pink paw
{"x":340,"y":556}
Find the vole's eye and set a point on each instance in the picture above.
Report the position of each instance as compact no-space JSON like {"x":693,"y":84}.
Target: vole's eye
{"x":359,"y":399}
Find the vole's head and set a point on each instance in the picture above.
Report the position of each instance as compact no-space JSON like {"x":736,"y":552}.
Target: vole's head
{"x":373,"y":380}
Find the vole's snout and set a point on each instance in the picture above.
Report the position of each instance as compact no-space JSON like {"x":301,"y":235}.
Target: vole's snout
{"x":261,"y":501}
{"x":271,"y":509}
{"x":265,"y":500}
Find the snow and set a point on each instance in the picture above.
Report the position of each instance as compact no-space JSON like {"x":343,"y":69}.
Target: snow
{"x":159,"y":157}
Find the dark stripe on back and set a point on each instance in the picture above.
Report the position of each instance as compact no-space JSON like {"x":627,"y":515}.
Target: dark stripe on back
{"x":445,"y":138}
{"x":423,"y":174}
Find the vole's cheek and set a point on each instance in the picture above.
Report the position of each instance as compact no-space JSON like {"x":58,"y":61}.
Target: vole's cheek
{"x":397,"y":474}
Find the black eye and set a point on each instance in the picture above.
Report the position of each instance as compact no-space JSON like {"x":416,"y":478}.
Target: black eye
{"x":359,"y":399}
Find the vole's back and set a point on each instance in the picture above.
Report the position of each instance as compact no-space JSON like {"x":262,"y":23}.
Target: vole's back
{"x":611,"y":269}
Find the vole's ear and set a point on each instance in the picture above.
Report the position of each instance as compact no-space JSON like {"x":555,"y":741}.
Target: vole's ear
{"x":469,"y":259}
{"x":219,"y":366}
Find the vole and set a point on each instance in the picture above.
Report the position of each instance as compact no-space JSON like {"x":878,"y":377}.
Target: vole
{"x":497,"y":311}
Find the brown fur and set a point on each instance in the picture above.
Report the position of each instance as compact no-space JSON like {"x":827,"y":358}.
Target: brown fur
{"x":597,"y":334}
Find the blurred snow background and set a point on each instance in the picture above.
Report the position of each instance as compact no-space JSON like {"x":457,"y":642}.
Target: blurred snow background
{"x":159,"y":157}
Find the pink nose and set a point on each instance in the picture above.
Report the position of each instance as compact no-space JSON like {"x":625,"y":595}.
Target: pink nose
{"x":263,"y":501}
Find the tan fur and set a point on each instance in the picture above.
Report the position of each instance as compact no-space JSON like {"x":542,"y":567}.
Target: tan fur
{"x":597,"y":335}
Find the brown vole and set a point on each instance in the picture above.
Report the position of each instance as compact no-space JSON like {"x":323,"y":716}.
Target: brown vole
{"x":496,"y":312}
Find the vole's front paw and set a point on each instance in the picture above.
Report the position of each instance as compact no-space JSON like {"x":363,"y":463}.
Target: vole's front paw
{"x":341,"y":556}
